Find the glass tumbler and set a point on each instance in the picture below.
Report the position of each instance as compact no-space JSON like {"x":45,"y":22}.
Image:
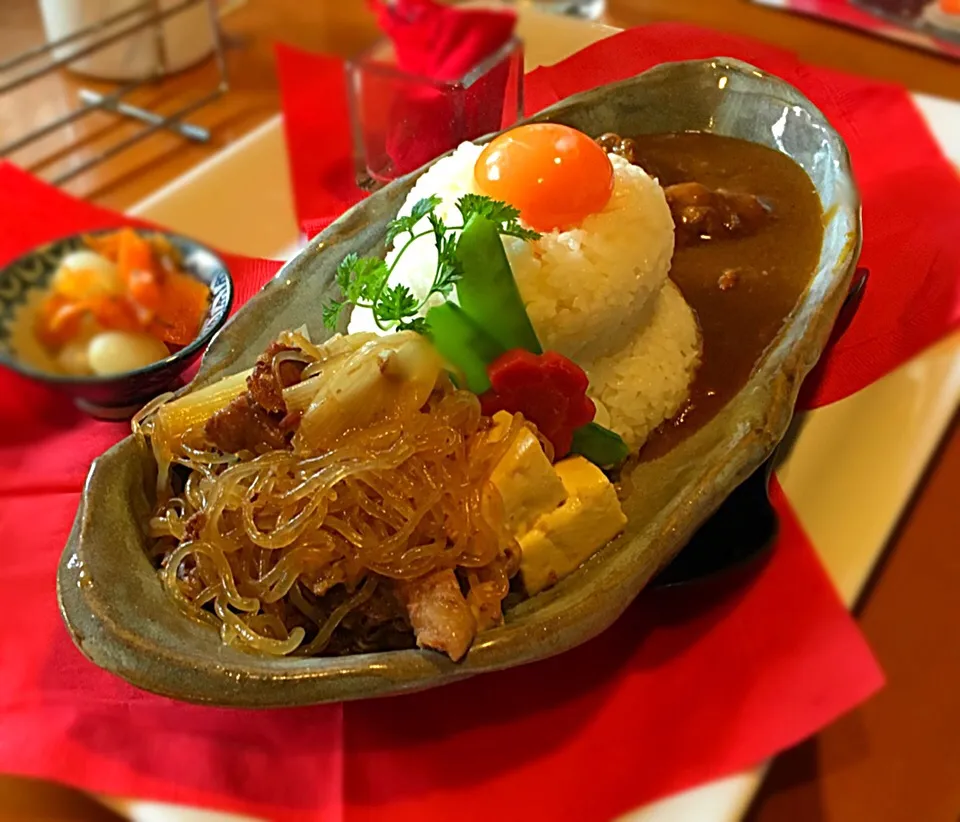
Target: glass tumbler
{"x":401,"y":120}
{"x":585,"y":9}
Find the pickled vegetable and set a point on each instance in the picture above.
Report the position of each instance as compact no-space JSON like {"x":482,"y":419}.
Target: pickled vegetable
{"x":114,"y":352}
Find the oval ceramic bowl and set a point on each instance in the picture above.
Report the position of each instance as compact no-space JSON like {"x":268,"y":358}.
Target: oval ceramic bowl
{"x":23,"y":284}
{"x":111,"y":598}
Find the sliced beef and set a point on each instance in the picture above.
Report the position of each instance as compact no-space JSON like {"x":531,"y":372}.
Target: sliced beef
{"x":288,"y":424}
{"x":245,"y":425}
{"x":266,"y":383}
{"x":379,"y":624}
{"x":258,"y":420}
{"x":193,"y":526}
{"x":189,"y":579}
{"x":440,"y":616}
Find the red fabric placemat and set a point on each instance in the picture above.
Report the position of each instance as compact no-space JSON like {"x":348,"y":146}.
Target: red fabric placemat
{"x":687,"y":686}
{"x":913,"y":296}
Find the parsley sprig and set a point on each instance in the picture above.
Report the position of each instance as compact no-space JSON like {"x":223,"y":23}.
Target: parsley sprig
{"x":364,"y":281}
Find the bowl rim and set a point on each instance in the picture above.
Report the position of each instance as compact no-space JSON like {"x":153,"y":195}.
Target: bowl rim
{"x":184,"y":355}
{"x":115,"y":645}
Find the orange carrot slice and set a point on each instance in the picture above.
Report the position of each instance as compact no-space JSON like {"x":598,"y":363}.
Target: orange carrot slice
{"x":57,"y":321}
{"x":133,"y":254}
{"x":145,"y":290}
{"x":182,"y":309}
{"x":106,"y":245}
{"x":115,"y":314}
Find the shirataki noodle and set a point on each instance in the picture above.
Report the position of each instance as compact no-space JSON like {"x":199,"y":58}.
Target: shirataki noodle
{"x":279,"y":549}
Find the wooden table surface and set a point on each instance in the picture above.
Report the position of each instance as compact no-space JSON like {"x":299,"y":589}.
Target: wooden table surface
{"x":897,"y":757}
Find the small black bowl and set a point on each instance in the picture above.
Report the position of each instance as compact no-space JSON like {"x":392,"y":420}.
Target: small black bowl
{"x":117,"y":396}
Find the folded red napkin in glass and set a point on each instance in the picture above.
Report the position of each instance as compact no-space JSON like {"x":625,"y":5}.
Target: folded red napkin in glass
{"x":439,"y":43}
{"x":913,"y":296}
{"x":687,"y":686}
{"x":316,"y":124}
{"x":442,"y":42}
{"x":430,"y":40}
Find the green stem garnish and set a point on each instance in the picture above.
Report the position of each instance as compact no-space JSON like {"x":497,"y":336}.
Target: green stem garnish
{"x":364,"y":281}
{"x":600,"y":445}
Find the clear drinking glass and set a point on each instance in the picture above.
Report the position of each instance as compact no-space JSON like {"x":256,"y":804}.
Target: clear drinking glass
{"x":401,"y":121}
{"x":585,"y":9}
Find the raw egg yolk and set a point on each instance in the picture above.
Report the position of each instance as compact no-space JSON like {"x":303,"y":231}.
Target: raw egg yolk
{"x":554,"y":175}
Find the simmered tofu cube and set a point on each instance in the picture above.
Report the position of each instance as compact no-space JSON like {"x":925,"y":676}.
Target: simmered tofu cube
{"x":526,"y":480}
{"x":587,"y":520}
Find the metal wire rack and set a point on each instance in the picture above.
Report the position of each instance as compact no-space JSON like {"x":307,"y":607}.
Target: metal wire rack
{"x":103,"y":33}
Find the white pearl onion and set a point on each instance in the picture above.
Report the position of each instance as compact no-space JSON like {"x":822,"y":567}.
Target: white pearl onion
{"x":73,"y":359}
{"x":113,"y":352}
{"x":107,"y":277}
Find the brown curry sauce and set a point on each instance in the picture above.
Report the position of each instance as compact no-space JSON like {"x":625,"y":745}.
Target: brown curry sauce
{"x":741,"y":285}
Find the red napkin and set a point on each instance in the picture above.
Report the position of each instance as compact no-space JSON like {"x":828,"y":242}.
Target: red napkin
{"x":418,"y":122}
{"x":687,"y":686}
{"x":911,"y":193}
{"x":61,"y":718}
{"x":442,"y":42}
{"x":316,"y":123}
{"x":434,"y":41}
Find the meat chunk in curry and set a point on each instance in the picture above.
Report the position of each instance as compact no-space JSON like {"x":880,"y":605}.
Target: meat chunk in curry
{"x":700,"y":213}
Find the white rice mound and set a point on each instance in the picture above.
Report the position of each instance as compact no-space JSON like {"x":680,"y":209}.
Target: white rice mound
{"x":585,"y":288}
{"x":599,"y":293}
{"x":648,"y":381}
